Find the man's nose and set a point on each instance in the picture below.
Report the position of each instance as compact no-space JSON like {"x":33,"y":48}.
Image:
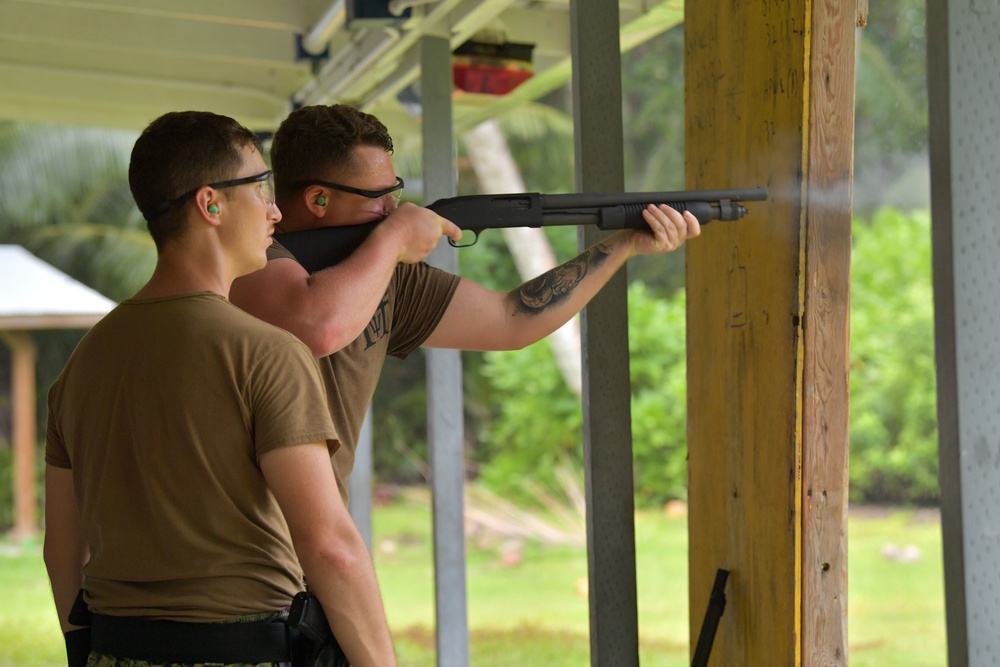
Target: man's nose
{"x":389,"y":204}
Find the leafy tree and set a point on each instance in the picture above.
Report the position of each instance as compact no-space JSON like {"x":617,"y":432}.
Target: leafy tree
{"x":653,"y":109}
{"x":893,"y":389}
{"x":891,"y":119}
{"x":541,"y":138}
{"x":64,"y":196}
{"x":538,"y":420}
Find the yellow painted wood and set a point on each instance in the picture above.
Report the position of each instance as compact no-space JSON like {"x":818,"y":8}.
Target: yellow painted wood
{"x":767,"y":325}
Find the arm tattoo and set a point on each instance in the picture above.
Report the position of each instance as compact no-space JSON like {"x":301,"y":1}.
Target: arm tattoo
{"x":556,"y":285}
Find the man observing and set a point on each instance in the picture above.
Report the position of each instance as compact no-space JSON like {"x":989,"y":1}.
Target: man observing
{"x":188,"y":486}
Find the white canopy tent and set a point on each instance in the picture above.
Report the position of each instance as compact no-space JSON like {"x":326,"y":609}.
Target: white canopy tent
{"x":35,"y":295}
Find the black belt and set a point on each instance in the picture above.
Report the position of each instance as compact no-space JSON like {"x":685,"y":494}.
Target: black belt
{"x":174,"y":642}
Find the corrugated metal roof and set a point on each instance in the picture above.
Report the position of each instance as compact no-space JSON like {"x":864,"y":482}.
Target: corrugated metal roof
{"x":34,"y":294}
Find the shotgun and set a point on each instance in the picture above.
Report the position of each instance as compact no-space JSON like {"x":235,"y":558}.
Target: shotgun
{"x":319,"y":248}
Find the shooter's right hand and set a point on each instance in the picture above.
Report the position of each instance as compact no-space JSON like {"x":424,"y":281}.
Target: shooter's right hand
{"x":417,"y":231}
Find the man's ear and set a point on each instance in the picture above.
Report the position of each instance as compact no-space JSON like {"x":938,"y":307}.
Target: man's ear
{"x":316,"y":200}
{"x":209,"y":205}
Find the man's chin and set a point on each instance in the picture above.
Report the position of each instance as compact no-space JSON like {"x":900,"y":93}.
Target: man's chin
{"x":259,"y":263}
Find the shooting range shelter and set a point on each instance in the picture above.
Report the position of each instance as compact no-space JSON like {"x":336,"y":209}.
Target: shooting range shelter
{"x":35,"y":296}
{"x":769,"y":102}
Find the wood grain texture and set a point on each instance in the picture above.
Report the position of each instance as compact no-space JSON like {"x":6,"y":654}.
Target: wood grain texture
{"x":826,"y":329}
{"x":767,"y":334}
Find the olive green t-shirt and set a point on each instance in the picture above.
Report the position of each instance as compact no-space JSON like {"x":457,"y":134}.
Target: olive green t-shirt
{"x":414,"y":303}
{"x":163,"y":412}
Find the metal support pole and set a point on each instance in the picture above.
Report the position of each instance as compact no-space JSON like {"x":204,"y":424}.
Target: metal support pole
{"x":444,"y":375}
{"x":607,"y":428}
{"x":963,"y":87}
{"x":360,"y":482}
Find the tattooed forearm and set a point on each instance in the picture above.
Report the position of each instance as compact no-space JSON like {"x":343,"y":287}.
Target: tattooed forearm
{"x":556,"y":285}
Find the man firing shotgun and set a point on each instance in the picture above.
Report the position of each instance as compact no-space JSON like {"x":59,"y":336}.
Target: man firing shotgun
{"x":333,"y":169}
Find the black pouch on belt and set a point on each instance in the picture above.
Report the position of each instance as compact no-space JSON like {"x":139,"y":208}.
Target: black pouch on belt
{"x":315,"y":645}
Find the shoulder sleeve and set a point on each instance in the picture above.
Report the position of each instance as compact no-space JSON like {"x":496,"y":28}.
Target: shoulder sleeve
{"x":422,"y":295}
{"x":56,"y":453}
{"x":288,"y":401}
{"x":278,"y":251}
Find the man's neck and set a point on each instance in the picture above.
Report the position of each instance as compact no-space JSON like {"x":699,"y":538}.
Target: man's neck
{"x":181,"y":270}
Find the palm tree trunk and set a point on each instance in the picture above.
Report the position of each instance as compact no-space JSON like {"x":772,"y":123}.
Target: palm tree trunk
{"x":490,"y":156}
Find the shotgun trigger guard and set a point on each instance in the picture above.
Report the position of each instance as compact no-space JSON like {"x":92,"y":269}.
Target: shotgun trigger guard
{"x":459,"y":244}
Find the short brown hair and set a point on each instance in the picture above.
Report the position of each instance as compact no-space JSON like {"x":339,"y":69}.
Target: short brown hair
{"x":314,"y":141}
{"x":179,"y":152}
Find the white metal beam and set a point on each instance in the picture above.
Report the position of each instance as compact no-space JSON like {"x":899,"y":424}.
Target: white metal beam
{"x":119,"y":35}
{"x":294,"y":15}
{"x":128,"y":102}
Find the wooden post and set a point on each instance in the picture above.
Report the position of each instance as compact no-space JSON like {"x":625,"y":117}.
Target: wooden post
{"x":24,"y":432}
{"x":769,"y":93}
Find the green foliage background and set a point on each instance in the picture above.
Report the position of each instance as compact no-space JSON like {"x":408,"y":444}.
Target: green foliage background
{"x":893,"y":388}
{"x":64,"y":196}
{"x":538,"y":422}
{"x":893,"y":425}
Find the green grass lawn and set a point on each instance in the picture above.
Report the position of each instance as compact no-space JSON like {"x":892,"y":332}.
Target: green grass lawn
{"x":533,"y":612}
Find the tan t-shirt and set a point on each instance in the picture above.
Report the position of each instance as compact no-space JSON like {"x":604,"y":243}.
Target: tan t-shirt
{"x":411,"y":308}
{"x":163,"y":412}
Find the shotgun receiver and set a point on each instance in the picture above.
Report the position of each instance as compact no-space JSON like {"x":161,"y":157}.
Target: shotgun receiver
{"x":319,"y":248}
